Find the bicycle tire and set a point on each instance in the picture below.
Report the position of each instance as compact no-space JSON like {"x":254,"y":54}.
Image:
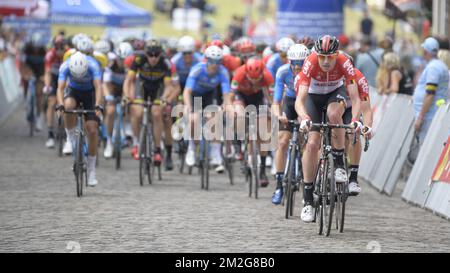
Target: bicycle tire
{"x":118,"y":141}
{"x":79,"y":166}
{"x":337,"y":205}
{"x":329,"y":192}
{"x":289,"y":176}
{"x":142,"y":158}
{"x":230,"y":170}
{"x":318,"y":192}
{"x":255,"y":167}
{"x":60,"y":137}
{"x":343,"y":201}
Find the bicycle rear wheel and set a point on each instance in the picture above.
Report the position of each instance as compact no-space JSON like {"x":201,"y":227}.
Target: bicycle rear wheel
{"x":118,"y":141}
{"x":255,"y":155}
{"x":78,"y":166}
{"x":290,"y":177}
{"x":143,"y":160}
{"x":205,"y":167}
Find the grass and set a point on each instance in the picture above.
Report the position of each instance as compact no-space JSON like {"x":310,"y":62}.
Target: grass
{"x":161,"y":25}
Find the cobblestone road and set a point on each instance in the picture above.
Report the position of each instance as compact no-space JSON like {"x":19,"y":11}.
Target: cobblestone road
{"x":39,"y":212}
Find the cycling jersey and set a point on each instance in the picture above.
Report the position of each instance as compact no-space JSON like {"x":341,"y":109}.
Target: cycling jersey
{"x":274,"y":63}
{"x":242,"y":84}
{"x":115,"y":74}
{"x":284,"y":81}
{"x":323,"y":83}
{"x":182,"y":68}
{"x":53,"y":62}
{"x":201,"y":83}
{"x":363,"y":88}
{"x":86,"y":83}
{"x":35,"y":59}
{"x":231,"y":63}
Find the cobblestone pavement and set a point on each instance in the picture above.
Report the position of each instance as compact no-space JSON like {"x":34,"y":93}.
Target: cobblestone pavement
{"x":39,"y":211}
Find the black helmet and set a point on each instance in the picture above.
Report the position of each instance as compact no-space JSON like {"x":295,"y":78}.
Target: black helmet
{"x":326,"y":45}
{"x":153,"y":46}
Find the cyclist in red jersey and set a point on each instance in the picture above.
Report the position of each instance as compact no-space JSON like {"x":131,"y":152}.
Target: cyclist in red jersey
{"x":321,"y":84}
{"x":250,"y":86}
{"x":53,"y":60}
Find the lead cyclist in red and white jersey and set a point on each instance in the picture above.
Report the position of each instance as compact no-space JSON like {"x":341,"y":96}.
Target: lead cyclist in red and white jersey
{"x":320,"y":84}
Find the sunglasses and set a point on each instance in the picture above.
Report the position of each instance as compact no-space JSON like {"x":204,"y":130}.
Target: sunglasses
{"x":330,"y":56}
{"x":297,"y":63}
{"x":153,"y":55}
{"x":212,"y":61}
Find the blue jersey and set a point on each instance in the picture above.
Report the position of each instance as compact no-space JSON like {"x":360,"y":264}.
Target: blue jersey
{"x":183,"y":69}
{"x":284,"y":80}
{"x":201,"y":83}
{"x":274,"y":63}
{"x":86,"y":83}
{"x":435,"y":73}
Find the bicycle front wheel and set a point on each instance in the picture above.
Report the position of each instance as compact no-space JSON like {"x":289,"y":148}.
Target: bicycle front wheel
{"x":255,"y":156}
{"x":328,"y":193}
{"x":78,"y":166}
{"x":118,"y":142}
{"x":143,"y":160}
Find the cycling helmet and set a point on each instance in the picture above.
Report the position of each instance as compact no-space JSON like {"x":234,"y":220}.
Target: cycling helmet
{"x":102,"y":46}
{"x":226,"y":50}
{"x":186,"y":44}
{"x":267,"y":51}
{"x":124,"y":50}
{"x":246,"y":47}
{"x":284,"y":44}
{"x":326,"y":45}
{"x":216,"y":42}
{"x":298,"y":52}
{"x":78,"y":37}
{"x":307,"y":41}
{"x":214,"y":53}
{"x":153,"y":46}
{"x":254,"y":68}
{"x":78,"y":65}
{"x":85,"y":46}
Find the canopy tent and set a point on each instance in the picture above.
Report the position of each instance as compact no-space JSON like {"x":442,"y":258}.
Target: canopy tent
{"x":106,"y":13}
{"x":17,"y":7}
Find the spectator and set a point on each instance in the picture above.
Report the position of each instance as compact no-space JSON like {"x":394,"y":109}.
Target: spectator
{"x":236,"y":28}
{"x":392,"y":77}
{"x":366,"y":25}
{"x":369,"y":60}
{"x":432,"y":86}
{"x":444,"y":55}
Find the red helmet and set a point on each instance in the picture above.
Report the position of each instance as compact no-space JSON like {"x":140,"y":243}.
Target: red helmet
{"x":254,"y":68}
{"x":247,"y":46}
{"x":218,"y":43}
{"x":326,"y":45}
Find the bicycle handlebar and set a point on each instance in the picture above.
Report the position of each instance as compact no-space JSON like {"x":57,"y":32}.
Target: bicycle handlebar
{"x":80,"y":112}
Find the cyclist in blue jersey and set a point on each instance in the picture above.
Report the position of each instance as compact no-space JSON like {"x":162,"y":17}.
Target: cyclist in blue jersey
{"x":285,"y":78}
{"x":280,"y":58}
{"x":81,"y":75}
{"x":113,"y":80}
{"x":186,"y":58}
{"x":202,"y":83}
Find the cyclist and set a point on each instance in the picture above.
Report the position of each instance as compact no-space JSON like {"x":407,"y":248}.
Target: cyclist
{"x":321,"y":84}
{"x":34,"y":61}
{"x":53,"y":61}
{"x":186,"y":58}
{"x":251,"y":86}
{"x":355,"y":151}
{"x":279,"y":58}
{"x":203,"y":81}
{"x":81,"y":75}
{"x":159,"y":82}
{"x":285,"y":81}
{"x":113,"y":79}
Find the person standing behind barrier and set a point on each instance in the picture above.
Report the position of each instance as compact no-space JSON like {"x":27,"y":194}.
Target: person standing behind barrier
{"x":444,"y":55}
{"x":369,"y":60}
{"x":431,"y":87}
{"x":392,"y":77}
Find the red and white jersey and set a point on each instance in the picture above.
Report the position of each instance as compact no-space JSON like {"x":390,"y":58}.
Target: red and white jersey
{"x":363,"y":85}
{"x":242,"y":84}
{"x":321,"y":82}
{"x":53,"y":61}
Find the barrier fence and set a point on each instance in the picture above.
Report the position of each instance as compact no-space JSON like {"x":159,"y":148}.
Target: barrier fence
{"x":382,"y":164}
{"x":10,"y":90}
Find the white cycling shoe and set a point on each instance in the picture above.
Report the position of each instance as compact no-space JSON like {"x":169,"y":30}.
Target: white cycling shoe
{"x":108,"y":153}
{"x":50,"y":143}
{"x":190,"y":158}
{"x":307,"y":215}
{"x":67,"y":150}
{"x":354,"y":188}
{"x":92,"y":180}
{"x":340,"y":175}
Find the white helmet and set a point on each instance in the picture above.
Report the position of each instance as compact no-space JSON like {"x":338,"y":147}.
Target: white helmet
{"x":102,"y":46}
{"x":298,"y":52}
{"x":214,"y":52}
{"x":186,"y":44}
{"x":78,"y":65}
{"x":284,"y":44}
{"x":77,"y":38}
{"x":226,"y":50}
{"x":124,"y":50}
{"x":267,"y":51}
{"x":85,"y":45}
